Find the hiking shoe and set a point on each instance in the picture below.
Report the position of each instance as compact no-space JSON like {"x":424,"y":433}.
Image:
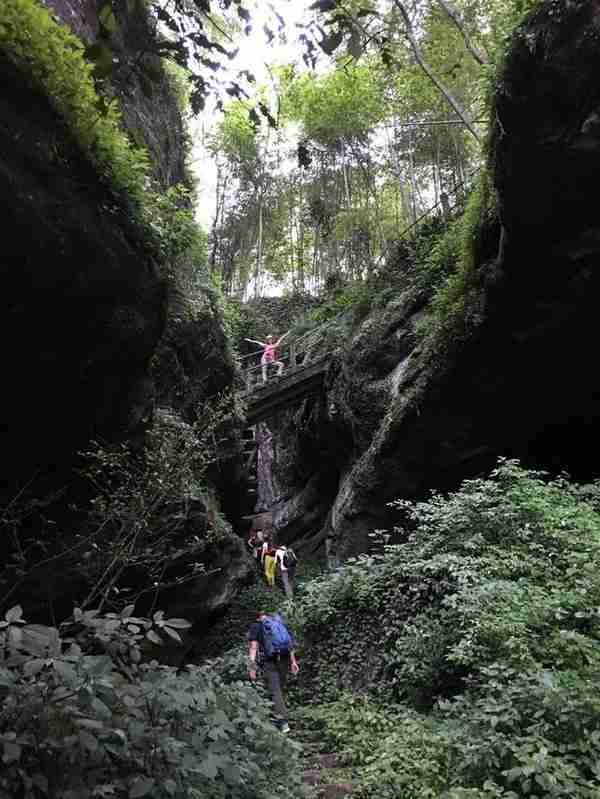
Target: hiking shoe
{"x":285,"y":727}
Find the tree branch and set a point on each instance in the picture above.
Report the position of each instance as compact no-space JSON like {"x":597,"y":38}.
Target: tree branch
{"x":480,"y":57}
{"x":446,"y":93}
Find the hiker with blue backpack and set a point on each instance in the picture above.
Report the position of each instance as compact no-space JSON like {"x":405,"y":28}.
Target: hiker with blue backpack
{"x":271,"y":644}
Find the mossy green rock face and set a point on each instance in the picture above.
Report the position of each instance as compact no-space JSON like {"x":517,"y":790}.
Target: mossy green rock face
{"x":84,"y":305}
{"x":523,"y":382}
{"x":120,"y":43}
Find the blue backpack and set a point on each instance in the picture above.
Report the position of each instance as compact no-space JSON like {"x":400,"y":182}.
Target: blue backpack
{"x":277,"y":640}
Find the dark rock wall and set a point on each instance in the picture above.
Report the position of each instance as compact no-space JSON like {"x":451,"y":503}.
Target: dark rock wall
{"x":525,"y":384}
{"x":83,"y":302}
{"x":83,"y":339}
{"x":80,"y":15}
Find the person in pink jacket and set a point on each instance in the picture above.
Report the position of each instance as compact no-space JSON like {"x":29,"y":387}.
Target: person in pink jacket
{"x":269,"y":354}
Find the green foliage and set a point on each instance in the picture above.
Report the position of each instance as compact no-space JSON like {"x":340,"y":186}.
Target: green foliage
{"x":235,"y":135}
{"x":452,"y":269}
{"x":170,"y":222}
{"x":79,"y":725}
{"x":52,"y":57}
{"x":350,"y":298}
{"x":138,"y":526}
{"x":484,"y":623}
{"x":342,"y":104}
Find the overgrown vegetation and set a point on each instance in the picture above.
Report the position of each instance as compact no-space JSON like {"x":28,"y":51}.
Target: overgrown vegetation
{"x":474,"y":641}
{"x":53,"y":59}
{"x":82,"y":717}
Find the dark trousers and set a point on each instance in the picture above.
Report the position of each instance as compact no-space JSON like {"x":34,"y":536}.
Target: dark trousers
{"x":276,"y":672}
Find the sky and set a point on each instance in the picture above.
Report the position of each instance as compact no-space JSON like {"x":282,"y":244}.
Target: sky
{"x":254,"y":55}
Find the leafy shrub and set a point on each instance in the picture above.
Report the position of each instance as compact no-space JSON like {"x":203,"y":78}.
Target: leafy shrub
{"x":484,"y":624}
{"x":452,"y":269}
{"x":139,"y":530}
{"x":86,"y":725}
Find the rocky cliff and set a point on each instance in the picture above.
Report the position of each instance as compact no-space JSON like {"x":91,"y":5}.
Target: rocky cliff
{"x":407,"y":415}
{"x":89,"y":325}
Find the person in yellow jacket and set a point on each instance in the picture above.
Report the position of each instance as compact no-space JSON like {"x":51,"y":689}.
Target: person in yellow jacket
{"x":269,"y":562}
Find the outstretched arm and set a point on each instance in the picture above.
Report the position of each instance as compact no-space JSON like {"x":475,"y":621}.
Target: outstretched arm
{"x":282,"y":337}
{"x":252,"y":341}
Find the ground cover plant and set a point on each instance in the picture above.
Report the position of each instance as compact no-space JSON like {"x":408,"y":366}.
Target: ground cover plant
{"x":86,"y":713}
{"x":474,"y":643}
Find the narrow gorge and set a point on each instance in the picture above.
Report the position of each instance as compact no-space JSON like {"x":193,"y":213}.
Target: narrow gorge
{"x":407,"y":203}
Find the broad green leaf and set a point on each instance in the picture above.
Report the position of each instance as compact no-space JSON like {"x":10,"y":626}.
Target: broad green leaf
{"x":140,"y":787}
{"x":101,"y":709}
{"x":178,"y":624}
{"x":209,"y":767}
{"x":7,"y":678}
{"x":107,"y":18}
{"x":12,"y":752}
{"x":14,"y":614}
{"x":41,"y":640}
{"x":66,"y":671}
{"x":173,"y":634}
{"x":88,"y":741}
{"x":154,"y":637}
{"x":33,"y":667}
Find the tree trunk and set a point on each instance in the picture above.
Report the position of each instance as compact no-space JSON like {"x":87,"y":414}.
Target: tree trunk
{"x":446,"y":93}
{"x":259,"y":246}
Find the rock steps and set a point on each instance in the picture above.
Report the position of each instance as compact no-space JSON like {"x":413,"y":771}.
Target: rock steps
{"x":324,"y":774}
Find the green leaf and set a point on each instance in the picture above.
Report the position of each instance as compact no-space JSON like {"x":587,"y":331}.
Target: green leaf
{"x":41,"y":782}
{"x":208,"y":767}
{"x":91,"y":724}
{"x":107,"y":18}
{"x":33,"y":667}
{"x":88,"y":741}
{"x":66,"y":671}
{"x":12,"y":752}
{"x":140,"y":787}
{"x":154,"y":637}
{"x":179,"y":624}
{"x":172,"y":634}
{"x":7,"y":678}
{"x":126,"y":612}
{"x":14,"y":614}
{"x":101,"y":709}
{"x":40,"y":640}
